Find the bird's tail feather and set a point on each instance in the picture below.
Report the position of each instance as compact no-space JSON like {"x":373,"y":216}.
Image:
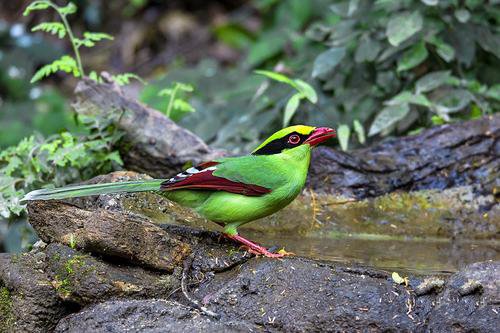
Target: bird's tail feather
{"x":73,"y":191}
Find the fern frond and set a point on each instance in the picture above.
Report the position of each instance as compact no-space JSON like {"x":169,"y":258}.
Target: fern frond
{"x":90,"y":39}
{"x":184,"y":86}
{"x":65,"y":64}
{"x":70,"y":8}
{"x":54,"y":28}
{"x":36,"y":5}
{"x":96,"y":36}
{"x":124,"y":79}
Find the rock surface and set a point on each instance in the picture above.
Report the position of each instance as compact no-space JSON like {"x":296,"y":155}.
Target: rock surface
{"x":83,"y":286}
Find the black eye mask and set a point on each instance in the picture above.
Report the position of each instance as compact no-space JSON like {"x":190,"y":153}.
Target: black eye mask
{"x":278,"y":145}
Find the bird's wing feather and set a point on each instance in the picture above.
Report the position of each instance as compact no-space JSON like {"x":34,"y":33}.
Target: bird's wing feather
{"x":266,"y":171}
{"x":202,"y":177}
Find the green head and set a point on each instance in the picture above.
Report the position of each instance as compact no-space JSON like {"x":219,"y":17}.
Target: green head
{"x":293,"y":136}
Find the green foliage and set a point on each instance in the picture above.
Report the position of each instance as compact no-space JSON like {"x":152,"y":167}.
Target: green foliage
{"x":54,"y":28}
{"x":69,"y":64}
{"x":398,"y":65}
{"x":91,"y":38}
{"x":177,"y":104}
{"x":58,"y":160}
{"x":120,"y":79}
{"x":65,"y":64}
{"x":26,"y":107}
{"x":124,"y":79}
{"x":304,"y":91}
{"x":343,"y":133}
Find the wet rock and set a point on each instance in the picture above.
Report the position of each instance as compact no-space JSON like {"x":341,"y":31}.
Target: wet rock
{"x":84,"y":279}
{"x":470,"y":301}
{"x":28,"y":302}
{"x":247,"y":293}
{"x":146,"y":316}
{"x":298,"y":295}
{"x":459,"y":154}
{"x":111,"y":233}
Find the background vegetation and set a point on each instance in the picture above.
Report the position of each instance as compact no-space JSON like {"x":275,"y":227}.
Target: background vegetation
{"x":370,"y":68}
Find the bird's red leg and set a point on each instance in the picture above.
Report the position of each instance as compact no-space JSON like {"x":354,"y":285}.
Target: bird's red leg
{"x":255,"y":248}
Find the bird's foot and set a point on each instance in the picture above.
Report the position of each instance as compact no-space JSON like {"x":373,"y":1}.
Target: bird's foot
{"x":254,"y":248}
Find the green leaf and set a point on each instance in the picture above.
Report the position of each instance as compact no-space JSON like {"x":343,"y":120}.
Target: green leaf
{"x":446,"y":52}
{"x":276,"y":77}
{"x":343,"y":133}
{"x":406,"y":97}
{"x":398,"y":279}
{"x":437,"y":120}
{"x":185,"y":87}
{"x":291,"y":108}
{"x":183,"y":106}
{"x":462,"y":15}
{"x":388,"y":117}
{"x":307,"y":90}
{"x":96,"y":36}
{"x":368,"y":49}
{"x":91,"y":38}
{"x":453,"y":101}
{"x":115,"y":157}
{"x":165,"y":92}
{"x":65,"y":64}
{"x":95,"y":77}
{"x":430,"y":2}
{"x":70,"y":8}
{"x":413,"y":57}
{"x":36,"y":5}
{"x":488,"y":40}
{"x":328,"y":60}
{"x":432,"y":81}
{"x":269,"y":44}
{"x":494,"y":92}
{"x":360,"y":131}
{"x":345,"y":8}
{"x":403,"y":26}
{"x":124,"y":79}
{"x":54,"y":28}
{"x":234,"y":35}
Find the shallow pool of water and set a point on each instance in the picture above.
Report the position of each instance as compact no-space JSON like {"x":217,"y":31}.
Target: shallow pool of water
{"x":432,"y":255}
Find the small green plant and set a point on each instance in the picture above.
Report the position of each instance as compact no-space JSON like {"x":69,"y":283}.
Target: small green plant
{"x":58,"y":160}
{"x":303,"y":91}
{"x":344,"y":133}
{"x":72,"y":241}
{"x":69,"y":64}
{"x":175,"y":103}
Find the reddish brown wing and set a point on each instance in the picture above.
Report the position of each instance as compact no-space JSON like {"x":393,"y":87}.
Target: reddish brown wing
{"x":201,"y":178}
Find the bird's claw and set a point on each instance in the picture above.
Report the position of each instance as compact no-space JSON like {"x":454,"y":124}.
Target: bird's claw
{"x":262,"y":251}
{"x":256,"y":249}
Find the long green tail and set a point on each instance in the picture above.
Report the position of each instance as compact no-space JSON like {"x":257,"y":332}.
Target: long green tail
{"x":73,"y":191}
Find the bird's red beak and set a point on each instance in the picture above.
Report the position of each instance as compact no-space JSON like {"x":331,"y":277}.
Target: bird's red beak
{"x":319,"y":135}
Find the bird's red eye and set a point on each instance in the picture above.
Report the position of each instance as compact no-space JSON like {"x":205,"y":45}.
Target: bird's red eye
{"x":294,"y":139}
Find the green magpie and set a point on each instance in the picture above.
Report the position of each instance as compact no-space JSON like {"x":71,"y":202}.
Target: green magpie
{"x":229,"y":191}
